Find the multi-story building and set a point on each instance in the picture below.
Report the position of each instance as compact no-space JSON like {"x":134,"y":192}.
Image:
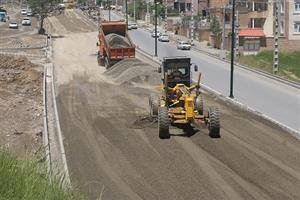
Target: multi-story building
{"x":294,"y":20}
{"x":256,"y":20}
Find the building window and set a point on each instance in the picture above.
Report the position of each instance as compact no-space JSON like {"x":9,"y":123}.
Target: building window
{"x":251,"y":45}
{"x":297,"y":27}
{"x":297,"y":6}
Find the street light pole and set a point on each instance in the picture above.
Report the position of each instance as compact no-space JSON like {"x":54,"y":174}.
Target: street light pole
{"x":232,"y":48}
{"x":155,"y":29}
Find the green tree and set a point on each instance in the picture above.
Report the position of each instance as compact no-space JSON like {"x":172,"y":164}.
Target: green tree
{"x":140,"y":8}
{"x":215,"y":27}
{"x":42,"y":8}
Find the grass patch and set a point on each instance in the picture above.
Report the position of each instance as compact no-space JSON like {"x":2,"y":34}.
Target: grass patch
{"x":28,"y":180}
{"x":289,"y":63}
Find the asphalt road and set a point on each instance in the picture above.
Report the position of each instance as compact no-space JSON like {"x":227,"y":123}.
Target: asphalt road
{"x":113,"y":154}
{"x":272,"y":98}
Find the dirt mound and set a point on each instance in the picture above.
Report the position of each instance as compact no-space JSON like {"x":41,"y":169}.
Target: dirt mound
{"x":18,"y":74}
{"x":117,"y":41}
{"x":133,"y":72}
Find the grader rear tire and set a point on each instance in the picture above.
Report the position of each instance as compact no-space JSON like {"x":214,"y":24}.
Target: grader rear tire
{"x":153,"y":105}
{"x":214,"y":122}
{"x":199,"y":105}
{"x":163,"y":123}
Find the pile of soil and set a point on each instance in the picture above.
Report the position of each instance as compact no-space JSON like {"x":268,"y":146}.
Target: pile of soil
{"x":117,"y":41}
{"x":17,"y":73}
{"x":21,"y":105}
{"x":133,"y":72}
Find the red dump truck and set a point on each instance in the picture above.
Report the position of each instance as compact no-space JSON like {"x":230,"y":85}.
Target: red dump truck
{"x":114,"y":43}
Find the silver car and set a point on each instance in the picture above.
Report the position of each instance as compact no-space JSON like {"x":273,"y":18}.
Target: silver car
{"x":164,"y":38}
{"x":13,"y":25}
{"x":183,"y":45}
{"x":26,"y":21}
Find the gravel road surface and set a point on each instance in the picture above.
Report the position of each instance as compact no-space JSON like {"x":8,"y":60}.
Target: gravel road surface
{"x":113,"y":149}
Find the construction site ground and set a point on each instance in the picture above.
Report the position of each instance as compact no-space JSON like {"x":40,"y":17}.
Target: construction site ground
{"x":21,"y":85}
{"x":113,"y":150}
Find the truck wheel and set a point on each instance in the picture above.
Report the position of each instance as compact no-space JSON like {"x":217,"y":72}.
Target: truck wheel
{"x":199,"y":105}
{"x":100,"y":61}
{"x":153,"y":105}
{"x":214,"y":122}
{"x":106,"y":63}
{"x":163,"y":123}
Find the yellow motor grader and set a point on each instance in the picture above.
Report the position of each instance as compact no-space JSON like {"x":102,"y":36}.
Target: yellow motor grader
{"x":181,"y":101}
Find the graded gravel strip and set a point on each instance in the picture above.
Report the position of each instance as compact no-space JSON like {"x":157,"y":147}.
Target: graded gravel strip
{"x":112,"y":146}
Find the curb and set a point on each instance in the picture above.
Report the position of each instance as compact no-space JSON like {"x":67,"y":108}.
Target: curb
{"x":60,"y":137}
{"x":293,"y":132}
{"x":66,"y":177}
{"x":45,"y":124}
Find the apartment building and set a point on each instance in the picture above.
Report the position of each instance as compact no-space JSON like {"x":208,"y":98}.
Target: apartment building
{"x":294,"y":20}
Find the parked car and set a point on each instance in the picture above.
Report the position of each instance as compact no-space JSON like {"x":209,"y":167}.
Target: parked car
{"x":26,"y":21}
{"x":157,"y":34}
{"x":23,"y":12}
{"x":13,"y":25}
{"x":164,"y":38}
{"x":183,"y":45}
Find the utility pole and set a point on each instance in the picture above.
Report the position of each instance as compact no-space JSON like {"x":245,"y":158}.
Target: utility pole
{"x":223,"y":32}
{"x":192,"y":23}
{"x":134,"y":10}
{"x":237,"y":35}
{"x":109,"y":10}
{"x":232,"y":49}
{"x":155,"y":24}
{"x":126,"y":12}
{"x":166,"y":15}
{"x":276,"y":33}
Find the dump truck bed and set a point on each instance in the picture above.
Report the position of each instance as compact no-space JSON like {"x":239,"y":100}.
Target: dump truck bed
{"x":115,"y":43}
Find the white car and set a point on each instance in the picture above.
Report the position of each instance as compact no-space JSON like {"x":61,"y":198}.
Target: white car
{"x":23,"y":12}
{"x":164,"y":38}
{"x":26,"y":21}
{"x":29,"y":13}
{"x":134,"y":26}
{"x":13,"y":25}
{"x":129,"y":27}
{"x":183,"y":45}
{"x":157,"y":34}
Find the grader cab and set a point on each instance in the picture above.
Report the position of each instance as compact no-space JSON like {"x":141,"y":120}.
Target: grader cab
{"x":181,"y":100}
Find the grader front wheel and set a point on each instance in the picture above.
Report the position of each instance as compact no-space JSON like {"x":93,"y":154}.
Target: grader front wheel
{"x":199,"y":105}
{"x":214,"y":122}
{"x":163,"y":123}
